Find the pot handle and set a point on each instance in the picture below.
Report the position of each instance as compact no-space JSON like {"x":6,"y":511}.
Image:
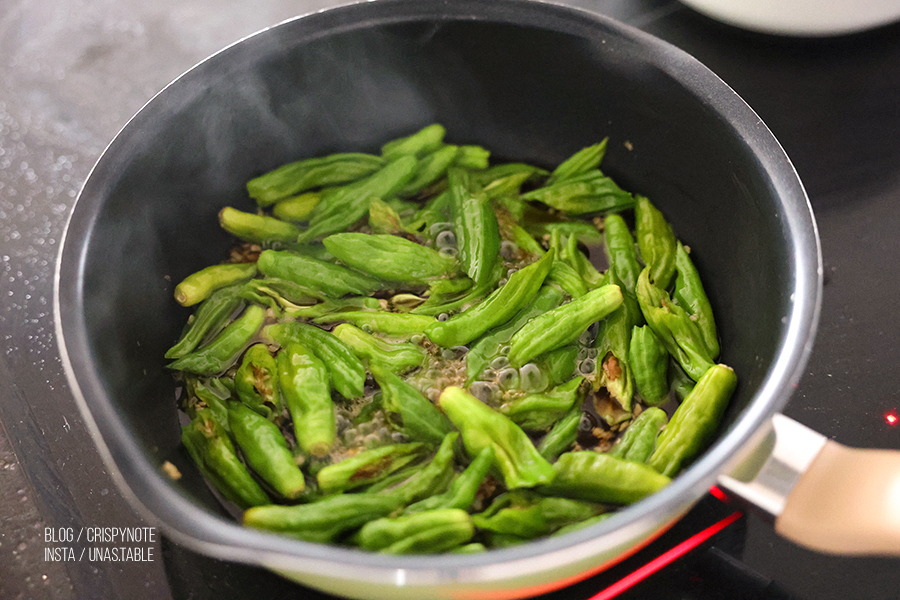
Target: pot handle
{"x":823,"y":495}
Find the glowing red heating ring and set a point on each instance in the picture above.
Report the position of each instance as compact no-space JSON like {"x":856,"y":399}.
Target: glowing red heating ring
{"x":671,"y":555}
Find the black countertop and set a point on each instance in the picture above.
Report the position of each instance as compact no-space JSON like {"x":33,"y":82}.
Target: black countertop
{"x":73,"y":71}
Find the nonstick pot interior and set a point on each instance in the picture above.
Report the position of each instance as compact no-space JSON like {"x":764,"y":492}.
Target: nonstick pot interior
{"x":532,"y":82}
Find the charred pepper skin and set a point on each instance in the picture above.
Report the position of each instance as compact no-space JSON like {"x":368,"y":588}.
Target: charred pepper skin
{"x":690,"y":295}
{"x":324,"y":520}
{"x":293,"y":178}
{"x":221,"y":352}
{"x":639,"y":440}
{"x":516,"y":458}
{"x":306,"y":387}
{"x":596,"y":477}
{"x":209,"y":319}
{"x":211,"y":449}
{"x":694,"y":422}
{"x":347,"y":373}
{"x":656,"y":241}
{"x":256,"y":382}
{"x":197,"y":287}
{"x":496,"y":309}
{"x":266,"y":451}
{"x":562,"y":325}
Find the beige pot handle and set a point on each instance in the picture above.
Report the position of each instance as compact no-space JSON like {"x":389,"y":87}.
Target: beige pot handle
{"x":822,"y":495}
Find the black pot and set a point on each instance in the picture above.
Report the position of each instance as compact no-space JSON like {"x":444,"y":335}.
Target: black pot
{"x":533,"y":81}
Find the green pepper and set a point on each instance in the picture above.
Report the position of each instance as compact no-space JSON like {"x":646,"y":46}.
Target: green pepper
{"x":562,"y":325}
{"x":621,"y":251}
{"x":656,"y":241}
{"x":390,"y":257}
{"x":516,"y":458}
{"x":211,"y":396}
{"x":690,"y":295}
{"x":329,"y":279}
{"x":534,"y":516}
{"x":309,"y":173}
{"x":673,"y":326}
{"x":304,"y":382}
{"x":435,"y":212}
{"x":694,"y":422}
{"x":420,"y":419}
{"x":432,"y":167}
{"x":279,"y":293}
{"x":341,"y":207}
{"x":256,"y":228}
{"x":324,"y":520}
{"x":539,"y":412}
{"x":639,"y":439}
{"x":590,"y":192}
{"x":595,"y":477}
{"x":296,"y":208}
{"x":472,"y":157}
{"x":680,"y":382}
{"x":581,"y":230}
{"x":332,"y":306}
{"x":397,"y":357}
{"x":567,"y":278}
{"x":583,"y":161}
{"x":212,"y":451}
{"x":209,"y":319}
{"x":384,"y":219}
{"x":428,"y":139}
{"x":558,"y":364}
{"x":220,"y":353}
{"x":582,"y":524}
{"x":488,"y":347}
{"x":463,"y":488}
{"x":368,"y":466}
{"x":420,"y":533}
{"x":497,"y":309}
{"x":475,"y":225}
{"x":562,"y":436}
{"x":256,"y":382}
{"x":581,"y":263}
{"x":650,"y":362}
{"x":391,"y":324}
{"x":436,"y":305}
{"x":197,"y":287}
{"x":498,"y":176}
{"x":433,"y":478}
{"x":614,"y":369}
{"x":266,"y":451}
{"x":346,"y":371}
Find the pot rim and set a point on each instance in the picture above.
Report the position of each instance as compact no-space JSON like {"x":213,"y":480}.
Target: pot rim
{"x":186,"y":523}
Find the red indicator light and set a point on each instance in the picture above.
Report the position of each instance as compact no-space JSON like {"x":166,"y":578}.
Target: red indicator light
{"x":892,"y":418}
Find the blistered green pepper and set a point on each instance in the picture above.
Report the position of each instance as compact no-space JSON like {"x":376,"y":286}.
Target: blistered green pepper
{"x":621,"y":251}
{"x":639,"y":439}
{"x":562,"y":436}
{"x":309,"y":173}
{"x":674,"y":327}
{"x":256,"y":382}
{"x":391,"y":324}
{"x":368,"y":466}
{"x":562,"y":325}
{"x":463,"y":488}
{"x":650,"y":362}
{"x":212,"y":451}
{"x":296,"y":208}
{"x":221,"y":352}
{"x":197,"y":287}
{"x":432,"y":167}
{"x":279,"y":294}
{"x":614,"y":369}
{"x":475,"y":225}
{"x":330,"y":279}
{"x":530,"y":516}
{"x":690,"y":295}
{"x":539,"y":412}
{"x":331,"y":306}
{"x":680,"y":382}
{"x":256,"y":228}
{"x":384,"y":219}
{"x":305,"y":384}
{"x":322,"y":521}
{"x":266,"y":451}
{"x":341,"y":207}
{"x":390,"y":257}
{"x":583,"y":161}
{"x":472,"y":157}
{"x":595,"y":477}
{"x":428,"y":139}
{"x":420,"y":533}
{"x":516,"y":458}
{"x":397,"y":357}
{"x":210,"y":395}
{"x":590,"y":192}
{"x":209,"y":319}
{"x":420,"y":420}
{"x":656,"y":241}
{"x":436,"y":305}
{"x":346,"y":371}
{"x":567,"y":278}
{"x":433,"y":478}
{"x":497,"y":309}
{"x":694,"y":422}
